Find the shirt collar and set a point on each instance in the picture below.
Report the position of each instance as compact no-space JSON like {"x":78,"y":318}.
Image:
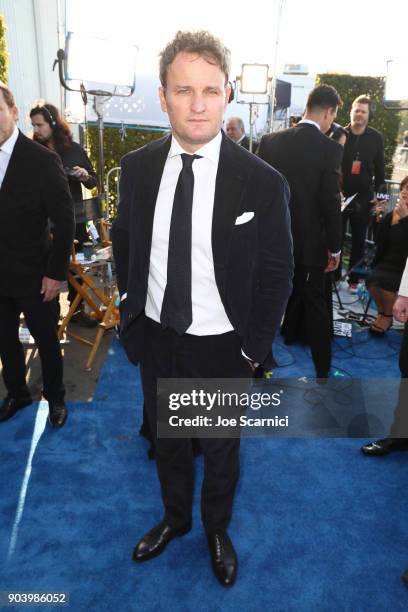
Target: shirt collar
{"x":241,"y":139}
{"x":310,"y":122}
{"x":8,"y":146}
{"x":211,"y":150}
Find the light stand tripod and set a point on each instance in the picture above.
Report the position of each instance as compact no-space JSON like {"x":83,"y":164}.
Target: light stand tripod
{"x":101,"y":97}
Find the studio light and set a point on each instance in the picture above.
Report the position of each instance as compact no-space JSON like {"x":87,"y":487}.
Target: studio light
{"x":87,"y":61}
{"x":98,"y":60}
{"x":254,"y":78}
{"x":396,"y":88}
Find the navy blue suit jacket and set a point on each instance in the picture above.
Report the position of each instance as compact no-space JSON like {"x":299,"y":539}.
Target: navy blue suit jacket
{"x":253,"y":261}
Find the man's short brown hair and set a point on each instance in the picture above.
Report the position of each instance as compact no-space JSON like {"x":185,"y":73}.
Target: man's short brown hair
{"x":203,"y":44}
{"x":363,"y":99}
{"x":323,"y":96}
{"x":7,"y":95}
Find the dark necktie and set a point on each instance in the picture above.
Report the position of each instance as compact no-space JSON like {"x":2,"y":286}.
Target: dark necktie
{"x":177,"y":310}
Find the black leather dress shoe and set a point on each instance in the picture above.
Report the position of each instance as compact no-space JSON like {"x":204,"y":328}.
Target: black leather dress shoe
{"x":156,"y":540}
{"x":58,"y":413}
{"x":11,"y":405}
{"x":223,"y":557}
{"x":384,"y":447}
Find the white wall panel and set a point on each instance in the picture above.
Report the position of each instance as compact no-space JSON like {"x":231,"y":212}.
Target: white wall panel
{"x":32,"y":45}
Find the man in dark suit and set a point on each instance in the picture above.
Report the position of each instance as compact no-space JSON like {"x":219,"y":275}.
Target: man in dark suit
{"x":311,"y":164}
{"x":398,"y":437}
{"x":33,"y":192}
{"x":235,"y":129}
{"x":204,"y":264}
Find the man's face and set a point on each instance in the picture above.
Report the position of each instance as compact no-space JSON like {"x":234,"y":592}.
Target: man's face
{"x":329,"y":116}
{"x":42,"y":129}
{"x":234,"y":131}
{"x":195,"y":99}
{"x":359,"y":115}
{"x":8,"y":118}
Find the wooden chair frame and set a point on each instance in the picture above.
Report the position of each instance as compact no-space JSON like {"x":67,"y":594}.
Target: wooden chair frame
{"x":106,"y":312}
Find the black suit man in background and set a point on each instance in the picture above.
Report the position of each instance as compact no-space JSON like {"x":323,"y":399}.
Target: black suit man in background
{"x":34,"y":191}
{"x":235,"y":129}
{"x":398,"y":437}
{"x":363,"y":174}
{"x":311,"y":164}
{"x":202,"y":293}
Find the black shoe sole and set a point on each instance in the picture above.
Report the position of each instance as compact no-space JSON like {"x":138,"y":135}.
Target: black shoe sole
{"x":384,"y":452}
{"x":158,"y":551}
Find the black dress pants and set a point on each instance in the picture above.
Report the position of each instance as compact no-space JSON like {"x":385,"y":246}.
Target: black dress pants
{"x":41,"y":320}
{"x":167,"y":355}
{"x":399,"y":427}
{"x":307,"y":316}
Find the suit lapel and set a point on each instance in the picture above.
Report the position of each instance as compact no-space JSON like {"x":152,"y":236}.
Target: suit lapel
{"x":157,"y":154}
{"x":152,"y":170}
{"x":229,"y":188}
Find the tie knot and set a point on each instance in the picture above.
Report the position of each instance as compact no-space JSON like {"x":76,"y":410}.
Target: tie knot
{"x":188,"y":159}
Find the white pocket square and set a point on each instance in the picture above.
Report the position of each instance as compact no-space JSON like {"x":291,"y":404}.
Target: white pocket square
{"x":244,"y":218}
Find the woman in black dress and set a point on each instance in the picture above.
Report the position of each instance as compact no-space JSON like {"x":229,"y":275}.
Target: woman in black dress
{"x":389,"y":262}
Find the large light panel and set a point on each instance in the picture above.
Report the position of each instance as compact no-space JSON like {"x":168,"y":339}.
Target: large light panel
{"x":99,"y":60}
{"x":254,"y":78}
{"x":396,"y":84}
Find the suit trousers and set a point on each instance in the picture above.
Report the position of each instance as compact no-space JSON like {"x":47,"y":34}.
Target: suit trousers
{"x":399,"y":427}
{"x":307,"y":316}
{"x":167,"y":355}
{"x":41,"y":320}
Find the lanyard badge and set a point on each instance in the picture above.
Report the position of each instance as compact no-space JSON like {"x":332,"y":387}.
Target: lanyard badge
{"x":356,"y":165}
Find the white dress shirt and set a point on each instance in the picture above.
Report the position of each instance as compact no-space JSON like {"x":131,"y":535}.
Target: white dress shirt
{"x":5,"y":153}
{"x":403,"y":290}
{"x":310,"y":122}
{"x":209,"y":316}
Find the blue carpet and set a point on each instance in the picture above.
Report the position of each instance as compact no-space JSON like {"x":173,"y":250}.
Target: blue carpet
{"x":317,"y":526}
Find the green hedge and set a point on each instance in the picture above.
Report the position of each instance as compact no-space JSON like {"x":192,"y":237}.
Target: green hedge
{"x":385,"y":121}
{"x":115,"y":149}
{"x":4,"y":56}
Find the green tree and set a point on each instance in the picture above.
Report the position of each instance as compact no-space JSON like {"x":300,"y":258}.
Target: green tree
{"x":385,"y":121}
{"x":115,"y":149}
{"x":4,"y":56}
